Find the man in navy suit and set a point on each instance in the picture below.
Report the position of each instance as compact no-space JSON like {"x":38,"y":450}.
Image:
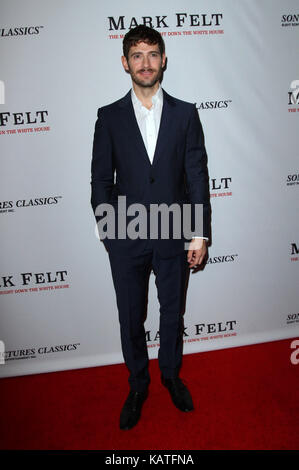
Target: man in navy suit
{"x":154,"y":144}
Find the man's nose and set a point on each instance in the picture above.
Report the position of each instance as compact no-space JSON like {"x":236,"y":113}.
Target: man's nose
{"x":145,"y":61}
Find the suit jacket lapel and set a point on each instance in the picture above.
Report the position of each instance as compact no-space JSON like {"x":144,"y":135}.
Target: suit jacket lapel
{"x":131,"y":125}
{"x":166,"y":127}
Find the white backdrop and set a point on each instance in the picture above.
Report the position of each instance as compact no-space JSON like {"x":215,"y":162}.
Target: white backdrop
{"x":60,"y":61}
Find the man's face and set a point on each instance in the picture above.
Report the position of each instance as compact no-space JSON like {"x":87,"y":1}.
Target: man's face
{"x":145,"y":64}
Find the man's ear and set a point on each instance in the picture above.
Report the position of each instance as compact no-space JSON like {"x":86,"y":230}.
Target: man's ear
{"x":125,"y":63}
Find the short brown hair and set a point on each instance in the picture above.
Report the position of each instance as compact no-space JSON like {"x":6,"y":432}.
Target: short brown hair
{"x":142,"y":34}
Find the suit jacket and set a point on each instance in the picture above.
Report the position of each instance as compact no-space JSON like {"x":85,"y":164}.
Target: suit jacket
{"x":178,"y":173}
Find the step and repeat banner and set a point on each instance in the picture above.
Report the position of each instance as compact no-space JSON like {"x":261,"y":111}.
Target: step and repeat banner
{"x":60,"y":61}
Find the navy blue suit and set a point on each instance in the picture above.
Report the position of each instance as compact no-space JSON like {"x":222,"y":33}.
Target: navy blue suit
{"x":178,"y":174}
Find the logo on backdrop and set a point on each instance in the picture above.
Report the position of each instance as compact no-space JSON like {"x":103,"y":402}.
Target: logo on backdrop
{"x":294,"y":252}
{"x":176,"y":24}
{"x":220,"y":187}
{"x":222,"y":259}
{"x":217,"y":104}
{"x":293,"y":97}
{"x":20,"y":31}
{"x":292,"y":318}
{"x":29,"y":282}
{"x":35,"y":352}
{"x":16,"y":123}
{"x":2,"y":352}
{"x":2,"y":92}
{"x":198,"y":332}
{"x":7,"y":207}
{"x":293,"y":179}
{"x":290,"y":20}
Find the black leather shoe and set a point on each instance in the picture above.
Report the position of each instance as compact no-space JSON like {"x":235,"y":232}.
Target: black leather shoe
{"x":179,"y":393}
{"x":131,"y":410}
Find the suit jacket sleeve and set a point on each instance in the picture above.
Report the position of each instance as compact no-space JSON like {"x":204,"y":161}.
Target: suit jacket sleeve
{"x":102,"y":166}
{"x":196,"y":172}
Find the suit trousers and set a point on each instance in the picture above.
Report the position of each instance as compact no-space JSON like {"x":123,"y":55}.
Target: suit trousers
{"x":131,"y":279}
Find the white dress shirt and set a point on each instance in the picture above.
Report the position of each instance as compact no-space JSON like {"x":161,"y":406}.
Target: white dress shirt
{"x":149,"y":122}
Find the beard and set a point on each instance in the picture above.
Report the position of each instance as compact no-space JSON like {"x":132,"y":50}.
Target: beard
{"x":146,"y":82}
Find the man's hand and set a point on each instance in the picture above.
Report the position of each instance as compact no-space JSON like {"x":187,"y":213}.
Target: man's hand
{"x":197,"y":252}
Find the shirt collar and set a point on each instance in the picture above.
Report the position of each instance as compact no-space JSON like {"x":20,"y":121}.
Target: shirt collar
{"x":158,"y":97}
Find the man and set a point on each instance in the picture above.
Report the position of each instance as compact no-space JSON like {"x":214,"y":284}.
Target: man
{"x":155,"y":145}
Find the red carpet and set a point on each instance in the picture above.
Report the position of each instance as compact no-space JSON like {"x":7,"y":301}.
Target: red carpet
{"x":245,"y":398}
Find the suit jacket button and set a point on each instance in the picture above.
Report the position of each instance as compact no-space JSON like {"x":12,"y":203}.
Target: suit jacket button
{"x":152,"y":179}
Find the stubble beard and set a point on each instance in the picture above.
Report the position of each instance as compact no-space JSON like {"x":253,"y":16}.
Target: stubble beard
{"x":143,"y":82}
